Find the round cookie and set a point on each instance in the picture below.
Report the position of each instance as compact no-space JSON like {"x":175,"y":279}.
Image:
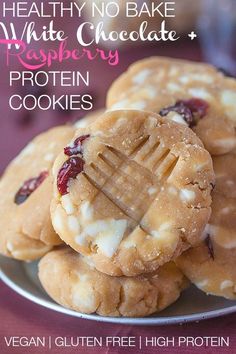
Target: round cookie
{"x":211,"y":265}
{"x":89,"y":119}
{"x":74,"y":283}
{"x":191,"y":93}
{"x":132,"y":192}
{"x":26,"y":190}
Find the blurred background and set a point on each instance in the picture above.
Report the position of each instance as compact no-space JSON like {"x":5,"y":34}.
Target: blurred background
{"x":213,"y":20}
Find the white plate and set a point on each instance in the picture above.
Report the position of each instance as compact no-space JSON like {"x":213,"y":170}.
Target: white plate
{"x":192,"y":306}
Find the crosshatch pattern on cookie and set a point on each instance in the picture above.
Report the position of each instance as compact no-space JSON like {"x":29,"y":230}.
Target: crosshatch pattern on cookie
{"x":132,"y":182}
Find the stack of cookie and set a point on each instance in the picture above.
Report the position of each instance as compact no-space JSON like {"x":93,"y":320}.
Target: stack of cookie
{"x":128,"y":194}
{"x":203,"y":98}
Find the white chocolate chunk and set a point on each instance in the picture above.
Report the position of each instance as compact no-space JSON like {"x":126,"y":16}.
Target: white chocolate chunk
{"x":160,"y":232}
{"x":83,"y":277}
{"x":152,"y":190}
{"x":187,"y":195}
{"x":175,"y":117}
{"x":226,"y":284}
{"x":150,"y":92}
{"x":86,"y":211}
{"x":73,"y":224}
{"x":202,"y":284}
{"x":174,"y":70}
{"x":151,"y":122}
{"x":81,"y":239}
{"x":166,"y":236}
{"x":225,"y":210}
{"x":139,"y":105}
{"x":196,"y":77}
{"x":228,"y":143}
{"x":184,"y":79}
{"x":58,"y":221}
{"x":228,"y":98}
{"x":82,"y":123}
{"x":83,"y":296}
{"x":120,"y":105}
{"x":141,"y":77}
{"x":209,"y":230}
{"x":98,"y":133}
{"x":200,"y":93}
{"x":229,"y":244}
{"x":222,"y":236}
{"x":171,"y":86}
{"x":200,"y":166}
{"x":88,"y":260}
{"x":108,"y":234}
{"x":129,"y":243}
{"x":27,"y":151}
{"x":67,"y":204}
{"x":10,"y":247}
{"x":49,"y":157}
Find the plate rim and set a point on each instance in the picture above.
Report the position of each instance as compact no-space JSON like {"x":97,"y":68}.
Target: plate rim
{"x":139,"y":321}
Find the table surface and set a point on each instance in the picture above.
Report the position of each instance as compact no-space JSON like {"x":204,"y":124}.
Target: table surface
{"x":19,"y":317}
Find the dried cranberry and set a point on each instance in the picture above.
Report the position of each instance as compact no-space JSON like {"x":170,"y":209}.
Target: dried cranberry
{"x":191,"y":110}
{"x":77,"y":146}
{"x":210,"y":247}
{"x":70,"y":169}
{"x":197,"y":106}
{"x":29,"y":187}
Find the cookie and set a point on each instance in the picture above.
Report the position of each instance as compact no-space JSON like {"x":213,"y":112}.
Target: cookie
{"x":132,"y":192}
{"x":211,"y":265}
{"x":191,"y":93}
{"x":89,"y":119}
{"x":74,"y":283}
{"x":26,"y":191}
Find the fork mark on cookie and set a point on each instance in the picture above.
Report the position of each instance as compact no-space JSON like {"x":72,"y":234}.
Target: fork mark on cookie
{"x":127,"y":180}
